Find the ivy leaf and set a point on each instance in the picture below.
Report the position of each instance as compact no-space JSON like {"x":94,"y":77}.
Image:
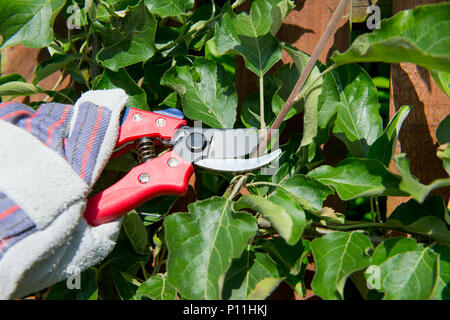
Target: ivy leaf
{"x":18,"y":88}
{"x":157,"y":288}
{"x":202,"y":245}
{"x":405,"y":269}
{"x":121,"y":79}
{"x":327,"y":105}
{"x":288,"y":258}
{"x":169,"y":8}
{"x":279,"y":12}
{"x":123,"y":258}
{"x":442,"y":79}
{"x":425,"y":219}
{"x":28,"y":22}
{"x":54,"y":63}
{"x":120,"y":5}
{"x":251,"y":277}
{"x":136,"y":42}
{"x":291,"y":261}
{"x":354,"y":178}
{"x":358,"y":123}
{"x":250,"y":36}
{"x":337,"y":255}
{"x":414,"y":36}
{"x":411,"y":184}
{"x":286,"y":216}
{"x":443,"y":131}
{"x":136,"y":232}
{"x":124,"y":286}
{"x":310,"y":100}
{"x":250,"y":108}
{"x":207,"y":93}
{"x":384,"y":147}
{"x":309,"y":103}
{"x":12,"y":77}
{"x":88,"y":288}
{"x":442,"y":289}
{"x":225,"y":35}
{"x":307,"y":191}
{"x":444,"y":154}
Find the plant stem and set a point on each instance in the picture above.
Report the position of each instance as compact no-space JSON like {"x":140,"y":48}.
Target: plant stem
{"x":261,"y":102}
{"x":61,"y":77}
{"x":234,"y":188}
{"x":304,"y":76}
{"x":372,"y":210}
{"x":377,"y":208}
{"x":264,"y":183}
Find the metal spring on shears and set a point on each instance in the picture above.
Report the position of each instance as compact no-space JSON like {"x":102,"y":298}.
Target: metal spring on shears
{"x":145,"y":149}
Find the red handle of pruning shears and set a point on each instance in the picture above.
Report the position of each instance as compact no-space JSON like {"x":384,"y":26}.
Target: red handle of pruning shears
{"x":167,"y":174}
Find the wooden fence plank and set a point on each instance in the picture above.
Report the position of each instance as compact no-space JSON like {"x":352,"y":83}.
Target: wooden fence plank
{"x":414,"y":86}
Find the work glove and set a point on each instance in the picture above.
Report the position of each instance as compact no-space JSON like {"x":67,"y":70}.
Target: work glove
{"x":49,"y":160}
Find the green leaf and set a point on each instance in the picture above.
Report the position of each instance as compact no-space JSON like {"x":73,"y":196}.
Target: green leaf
{"x":309,"y":103}
{"x":411,"y":184}
{"x":157,"y":288}
{"x":136,"y":42}
{"x":169,"y":8}
{"x":18,"y":88}
{"x":250,"y":108}
{"x":405,"y":269}
{"x":28,"y":22}
{"x":444,"y":155}
{"x":327,"y":104}
{"x":442,"y":79}
{"x":124,"y":286}
{"x":250,"y":36}
{"x":207,"y":93}
{"x":291,"y":261}
{"x":278,"y":13}
{"x":286,"y":216}
{"x":253,"y":276}
{"x":202,"y":245}
{"x":354,"y":178}
{"x":225,"y":34}
{"x":383,"y":148}
{"x":416,"y":36}
{"x":123,"y":258}
{"x":88,"y":288}
{"x":288,"y":258}
{"x":285,"y":76}
{"x":12,"y":77}
{"x":136,"y":232}
{"x":426,"y":218}
{"x":121,"y":79}
{"x":119,"y":5}
{"x":443,"y":131}
{"x":54,"y":63}
{"x":442,"y":289}
{"x":358,"y":123}
{"x":307,"y":191}
{"x":337,"y":256}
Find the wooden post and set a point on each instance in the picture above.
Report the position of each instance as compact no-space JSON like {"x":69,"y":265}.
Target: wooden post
{"x":412,"y":85}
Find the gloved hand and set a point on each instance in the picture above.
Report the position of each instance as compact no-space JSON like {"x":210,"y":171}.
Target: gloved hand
{"x":49,"y":160}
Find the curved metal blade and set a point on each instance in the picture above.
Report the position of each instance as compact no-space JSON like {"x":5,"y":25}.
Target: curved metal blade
{"x":215,"y":143}
{"x":238,"y":165}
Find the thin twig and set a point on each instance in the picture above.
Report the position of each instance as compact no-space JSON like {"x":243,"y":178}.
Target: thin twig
{"x":377,"y":208}
{"x":304,"y":76}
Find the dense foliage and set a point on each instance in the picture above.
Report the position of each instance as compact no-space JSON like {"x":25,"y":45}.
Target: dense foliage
{"x":232,"y":246}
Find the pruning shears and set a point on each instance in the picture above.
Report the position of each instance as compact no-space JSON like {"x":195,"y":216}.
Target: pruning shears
{"x":169,"y":173}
